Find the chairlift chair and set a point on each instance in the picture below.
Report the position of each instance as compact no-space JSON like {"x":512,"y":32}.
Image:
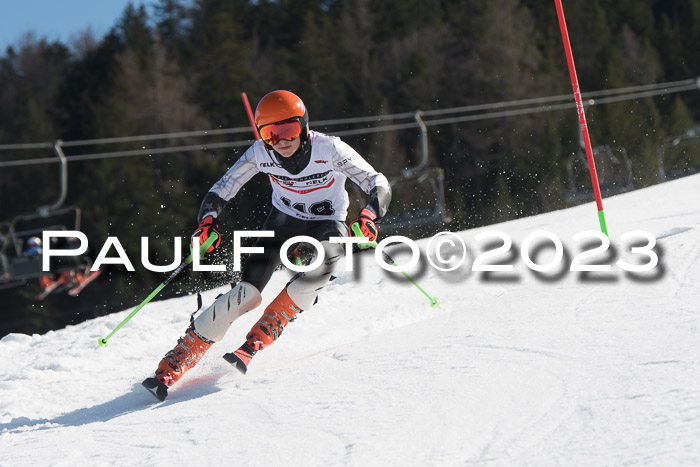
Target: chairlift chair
{"x":16,"y":268}
{"x":418,"y":200}
{"x":418,"y":193}
{"x":614,"y":172}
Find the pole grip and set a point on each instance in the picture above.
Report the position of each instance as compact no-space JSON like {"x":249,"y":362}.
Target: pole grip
{"x":358,"y":233}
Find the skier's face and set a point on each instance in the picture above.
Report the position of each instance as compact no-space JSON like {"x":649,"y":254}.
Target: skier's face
{"x":287,"y":148}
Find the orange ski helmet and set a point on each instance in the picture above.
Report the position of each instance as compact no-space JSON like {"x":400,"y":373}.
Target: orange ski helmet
{"x":281,"y":106}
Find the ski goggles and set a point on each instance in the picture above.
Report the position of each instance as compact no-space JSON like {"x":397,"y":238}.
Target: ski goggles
{"x":274,"y":132}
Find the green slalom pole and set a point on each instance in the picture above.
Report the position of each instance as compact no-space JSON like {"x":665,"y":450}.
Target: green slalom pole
{"x":603,"y":224}
{"x":434,"y":303}
{"x":102,"y":341}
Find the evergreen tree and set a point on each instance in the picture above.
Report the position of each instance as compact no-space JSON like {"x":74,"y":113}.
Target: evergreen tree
{"x":185,"y":69}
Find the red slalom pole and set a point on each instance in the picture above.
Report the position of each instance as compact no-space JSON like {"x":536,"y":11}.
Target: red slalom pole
{"x":581,"y":116}
{"x":248,"y":111}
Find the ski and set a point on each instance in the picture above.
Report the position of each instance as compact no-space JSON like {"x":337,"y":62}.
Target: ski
{"x":49,"y":290}
{"x":236,"y":361}
{"x":155,"y":387}
{"x":89,"y":278}
{"x":241,"y":357}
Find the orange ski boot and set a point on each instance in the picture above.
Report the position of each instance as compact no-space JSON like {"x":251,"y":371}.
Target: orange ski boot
{"x":241,"y":357}
{"x":277,"y":315}
{"x":187,"y":353}
{"x":189,"y":350}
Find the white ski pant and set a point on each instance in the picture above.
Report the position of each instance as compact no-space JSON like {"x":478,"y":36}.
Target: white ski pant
{"x":303,"y":289}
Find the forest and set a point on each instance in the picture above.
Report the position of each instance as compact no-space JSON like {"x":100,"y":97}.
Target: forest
{"x":178,"y":68}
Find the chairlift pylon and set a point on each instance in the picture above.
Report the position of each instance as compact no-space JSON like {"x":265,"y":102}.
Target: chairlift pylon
{"x":688,"y":137}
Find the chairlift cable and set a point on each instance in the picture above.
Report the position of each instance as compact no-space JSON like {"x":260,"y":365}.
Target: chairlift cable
{"x":613,"y":95}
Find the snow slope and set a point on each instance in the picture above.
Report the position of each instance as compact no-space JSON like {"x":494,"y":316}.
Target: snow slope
{"x":515,"y":369}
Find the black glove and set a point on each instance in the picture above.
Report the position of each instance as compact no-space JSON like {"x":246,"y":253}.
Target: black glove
{"x":364,"y":226}
{"x":208,"y":225}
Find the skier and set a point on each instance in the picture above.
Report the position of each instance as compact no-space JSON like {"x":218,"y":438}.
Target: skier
{"x":33,"y":247}
{"x":307,"y":171}
{"x":74,"y":280}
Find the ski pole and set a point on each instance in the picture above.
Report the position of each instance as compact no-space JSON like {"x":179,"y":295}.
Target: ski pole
{"x":434,"y":303}
{"x":102,"y":341}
